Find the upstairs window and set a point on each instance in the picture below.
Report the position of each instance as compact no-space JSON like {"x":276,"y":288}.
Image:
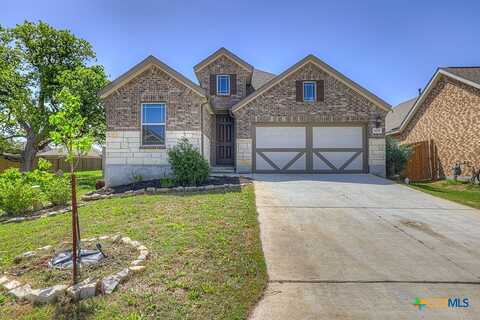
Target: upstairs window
{"x":309,"y":91}
{"x":223,"y":84}
{"x":153,"y":124}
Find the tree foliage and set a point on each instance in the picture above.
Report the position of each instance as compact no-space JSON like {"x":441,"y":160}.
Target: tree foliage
{"x":68,"y":127}
{"x":397,"y":157}
{"x":36,"y":63}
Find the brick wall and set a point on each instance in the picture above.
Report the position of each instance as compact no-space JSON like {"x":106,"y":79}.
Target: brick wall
{"x":450,"y":116}
{"x":224,"y":65}
{"x":153,"y":85}
{"x":124,"y":154}
{"x":278,"y":104}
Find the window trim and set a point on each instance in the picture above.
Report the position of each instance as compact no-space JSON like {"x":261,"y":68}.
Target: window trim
{"x":217,"y":82}
{"x":314,"y":83}
{"x":152,"y":124}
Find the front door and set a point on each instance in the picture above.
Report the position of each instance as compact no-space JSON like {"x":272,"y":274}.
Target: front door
{"x":224,"y":142}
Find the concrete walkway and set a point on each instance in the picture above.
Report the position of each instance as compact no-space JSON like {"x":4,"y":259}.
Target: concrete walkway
{"x":361,"y":247}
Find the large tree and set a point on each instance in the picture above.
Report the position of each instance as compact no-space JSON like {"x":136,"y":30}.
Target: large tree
{"x":36,"y":62}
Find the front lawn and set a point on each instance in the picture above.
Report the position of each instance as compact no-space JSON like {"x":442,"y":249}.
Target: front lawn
{"x":86,"y":180}
{"x":206,"y":260}
{"x":457,"y":191}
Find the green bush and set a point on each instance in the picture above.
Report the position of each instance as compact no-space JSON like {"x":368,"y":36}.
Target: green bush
{"x":22,"y":192}
{"x":58,"y":191}
{"x":188,"y":165}
{"x":17,"y":195}
{"x":397,"y":157}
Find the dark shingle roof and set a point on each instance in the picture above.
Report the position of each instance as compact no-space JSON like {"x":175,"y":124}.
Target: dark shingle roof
{"x":259,"y":78}
{"x":395,"y":117}
{"x":467,"y":73}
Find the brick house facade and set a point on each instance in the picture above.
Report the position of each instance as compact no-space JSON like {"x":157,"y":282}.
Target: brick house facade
{"x":447,"y":114}
{"x":222,"y":125}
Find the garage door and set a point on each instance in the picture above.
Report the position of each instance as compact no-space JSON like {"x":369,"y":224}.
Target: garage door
{"x":309,"y":148}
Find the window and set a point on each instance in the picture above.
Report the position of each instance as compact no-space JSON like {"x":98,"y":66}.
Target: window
{"x":223,"y":85}
{"x":309,"y":88}
{"x":153,"y":124}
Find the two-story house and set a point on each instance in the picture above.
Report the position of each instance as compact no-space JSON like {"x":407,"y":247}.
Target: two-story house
{"x":308,"y":119}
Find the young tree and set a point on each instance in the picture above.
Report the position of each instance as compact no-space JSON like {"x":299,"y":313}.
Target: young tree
{"x":36,"y":62}
{"x":67,"y":129}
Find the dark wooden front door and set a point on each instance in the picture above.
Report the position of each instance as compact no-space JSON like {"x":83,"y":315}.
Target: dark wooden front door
{"x":224,"y":142}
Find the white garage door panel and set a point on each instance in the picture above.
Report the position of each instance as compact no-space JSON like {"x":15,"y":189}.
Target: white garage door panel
{"x":281,"y":160}
{"x":261,"y":164}
{"x":356,"y":164}
{"x":280,"y":137}
{"x":341,"y":160}
{"x":300,"y":164}
{"x":337,"y":137}
{"x":331,"y":149}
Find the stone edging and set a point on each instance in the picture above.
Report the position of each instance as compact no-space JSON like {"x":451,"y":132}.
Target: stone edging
{"x":83,"y":290}
{"x":151,"y":190}
{"x":44,"y":213}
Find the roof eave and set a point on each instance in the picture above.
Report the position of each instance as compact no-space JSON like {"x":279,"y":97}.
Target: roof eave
{"x":331,"y":71}
{"x":427,"y":89}
{"x":217,"y":54}
{"x":141,"y":67}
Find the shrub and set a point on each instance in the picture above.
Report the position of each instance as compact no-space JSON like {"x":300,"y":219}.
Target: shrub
{"x":188,"y":165}
{"x":397,"y":157}
{"x":17,"y":195}
{"x":41,"y":176}
{"x":58,"y":191}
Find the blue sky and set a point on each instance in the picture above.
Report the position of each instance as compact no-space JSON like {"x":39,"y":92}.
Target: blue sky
{"x":390,"y":47}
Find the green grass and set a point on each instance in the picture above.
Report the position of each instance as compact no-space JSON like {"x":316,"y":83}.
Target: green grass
{"x":206,"y":260}
{"x":456,"y":191}
{"x":86,"y":180}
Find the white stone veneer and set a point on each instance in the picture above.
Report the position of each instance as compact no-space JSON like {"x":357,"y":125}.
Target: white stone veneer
{"x":376,"y":156}
{"x":126,"y":158}
{"x":244,"y":155}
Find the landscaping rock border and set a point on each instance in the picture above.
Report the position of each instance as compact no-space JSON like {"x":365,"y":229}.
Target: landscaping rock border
{"x":44,"y":213}
{"x":83,"y":290}
{"x":93,"y":196}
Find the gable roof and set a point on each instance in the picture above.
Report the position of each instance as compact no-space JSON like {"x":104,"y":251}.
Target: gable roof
{"x":141,"y":67}
{"x":219,"y":53}
{"x":326,"y":68}
{"x":259,"y":78}
{"x":395,"y":117}
{"x":467,"y":75}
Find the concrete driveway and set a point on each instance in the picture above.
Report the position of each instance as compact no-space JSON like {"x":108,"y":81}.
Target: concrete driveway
{"x":361,"y":247}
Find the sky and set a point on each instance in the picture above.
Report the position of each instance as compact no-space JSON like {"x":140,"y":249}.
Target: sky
{"x":392,"y":48}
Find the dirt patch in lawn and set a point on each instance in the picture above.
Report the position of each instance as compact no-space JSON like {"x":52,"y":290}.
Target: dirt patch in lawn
{"x":35,"y":269}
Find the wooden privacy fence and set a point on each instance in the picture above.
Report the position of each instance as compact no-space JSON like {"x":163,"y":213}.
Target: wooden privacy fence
{"x":85,"y":164}
{"x":423,"y":163}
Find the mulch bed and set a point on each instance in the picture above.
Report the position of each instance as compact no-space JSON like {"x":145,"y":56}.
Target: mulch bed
{"x":35,"y":269}
{"x":157,"y":183}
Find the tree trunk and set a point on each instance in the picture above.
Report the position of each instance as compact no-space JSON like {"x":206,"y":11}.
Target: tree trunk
{"x":74,"y":228}
{"x":27,"y":161}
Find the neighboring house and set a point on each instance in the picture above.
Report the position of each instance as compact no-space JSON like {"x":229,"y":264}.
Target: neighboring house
{"x":447,"y":113}
{"x":310,"y":118}
{"x":92,"y":160}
